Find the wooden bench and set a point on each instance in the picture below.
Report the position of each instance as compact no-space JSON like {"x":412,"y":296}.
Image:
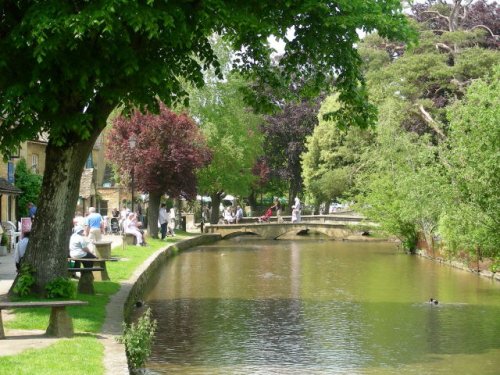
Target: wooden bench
{"x":86,"y":282}
{"x":97,"y":262}
{"x":60,"y":323}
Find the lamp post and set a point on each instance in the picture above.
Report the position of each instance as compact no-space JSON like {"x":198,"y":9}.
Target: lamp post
{"x":132,"y":142}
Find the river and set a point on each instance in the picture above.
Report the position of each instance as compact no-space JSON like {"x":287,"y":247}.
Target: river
{"x":245,"y":306}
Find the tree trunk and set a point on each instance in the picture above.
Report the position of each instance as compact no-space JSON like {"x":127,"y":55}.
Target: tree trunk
{"x":48,"y":246}
{"x":214,"y":218}
{"x":178,"y":213}
{"x":153,"y":212}
{"x":252,"y":201}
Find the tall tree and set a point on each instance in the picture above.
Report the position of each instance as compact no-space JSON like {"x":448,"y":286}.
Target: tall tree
{"x":285,"y":135}
{"x":168,"y":150}
{"x":470,"y":220}
{"x":407,"y":185}
{"x":332,"y":157}
{"x":65,"y":65}
{"x":232,"y":132}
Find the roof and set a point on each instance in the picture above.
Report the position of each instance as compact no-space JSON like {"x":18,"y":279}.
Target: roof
{"x":87,"y":185}
{"x":7,"y":188}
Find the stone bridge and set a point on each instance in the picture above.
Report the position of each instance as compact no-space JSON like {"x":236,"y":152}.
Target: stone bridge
{"x":272,"y":231}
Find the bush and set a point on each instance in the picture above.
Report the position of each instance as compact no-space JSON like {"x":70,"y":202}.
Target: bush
{"x":138,"y":339}
{"x":25,"y":280}
{"x":4,"y":240}
{"x":61,"y":287}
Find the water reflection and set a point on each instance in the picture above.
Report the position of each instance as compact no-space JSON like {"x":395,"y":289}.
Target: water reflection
{"x":320,"y":308}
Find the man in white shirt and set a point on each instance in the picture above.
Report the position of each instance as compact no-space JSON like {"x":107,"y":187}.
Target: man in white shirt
{"x":163,"y":219}
{"x":78,"y":247}
{"x":239,"y":214}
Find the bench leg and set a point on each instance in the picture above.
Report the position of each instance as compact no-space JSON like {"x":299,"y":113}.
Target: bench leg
{"x":86,"y":283}
{"x":60,"y":323}
{"x":2,"y":333}
{"x":101,"y":275}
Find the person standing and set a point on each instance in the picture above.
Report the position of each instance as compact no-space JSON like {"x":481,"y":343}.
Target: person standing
{"x":31,"y":210}
{"x":298,"y":208}
{"x":171,"y":223}
{"x":163,"y":219}
{"x":239,"y":214}
{"x":94,"y":227}
{"x":277,"y":207}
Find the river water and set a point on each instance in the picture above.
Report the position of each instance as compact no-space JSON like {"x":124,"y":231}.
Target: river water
{"x":245,"y":306}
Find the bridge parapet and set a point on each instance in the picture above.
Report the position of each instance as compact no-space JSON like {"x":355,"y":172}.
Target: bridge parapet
{"x":273,"y":231}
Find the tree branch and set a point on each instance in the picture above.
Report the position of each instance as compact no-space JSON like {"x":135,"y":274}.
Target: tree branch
{"x":486,"y":28}
{"x":437,"y":13}
{"x":430,"y":121}
{"x":444,"y":46}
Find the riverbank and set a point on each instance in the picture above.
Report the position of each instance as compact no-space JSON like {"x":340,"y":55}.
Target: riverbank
{"x":461,"y":265}
{"x":96,"y":326}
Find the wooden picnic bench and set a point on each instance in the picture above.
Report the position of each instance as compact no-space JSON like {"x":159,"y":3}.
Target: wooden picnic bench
{"x":60,"y":323}
{"x":86,"y":281}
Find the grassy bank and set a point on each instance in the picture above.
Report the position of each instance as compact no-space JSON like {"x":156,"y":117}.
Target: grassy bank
{"x":82,"y":354}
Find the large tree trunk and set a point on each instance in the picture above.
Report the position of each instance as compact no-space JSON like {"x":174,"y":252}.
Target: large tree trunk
{"x":153,"y":212}
{"x":48,"y":246}
{"x":214,"y":218}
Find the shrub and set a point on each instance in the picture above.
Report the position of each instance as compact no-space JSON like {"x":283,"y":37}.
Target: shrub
{"x":138,"y":339}
{"x":25,"y":280}
{"x":4,"y":240}
{"x":61,"y":287}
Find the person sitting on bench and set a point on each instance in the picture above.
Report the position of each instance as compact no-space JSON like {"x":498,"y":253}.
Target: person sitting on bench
{"x":78,"y":247}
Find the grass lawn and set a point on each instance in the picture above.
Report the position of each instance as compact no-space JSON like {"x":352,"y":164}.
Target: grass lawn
{"x":82,"y":354}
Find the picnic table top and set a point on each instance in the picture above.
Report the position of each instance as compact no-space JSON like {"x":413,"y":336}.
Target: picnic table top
{"x":9,"y":305}
{"x":94,"y":259}
{"x":85,"y":269}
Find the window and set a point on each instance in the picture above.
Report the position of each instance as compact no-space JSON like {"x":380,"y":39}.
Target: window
{"x":89,"y":163}
{"x":34,"y":163}
{"x":103,"y":208}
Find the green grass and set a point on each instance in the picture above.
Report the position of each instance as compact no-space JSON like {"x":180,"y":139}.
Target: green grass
{"x":65,"y":357}
{"x":80,"y":355}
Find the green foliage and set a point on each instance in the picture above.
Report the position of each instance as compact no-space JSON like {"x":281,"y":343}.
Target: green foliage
{"x":232,"y":132}
{"x":61,"y":288}
{"x":332,"y":158}
{"x":30,"y":183}
{"x":138,"y":338}
{"x":471,"y":219}
{"x":25,"y":280}
{"x":4,"y":240}
{"x":400,"y":182}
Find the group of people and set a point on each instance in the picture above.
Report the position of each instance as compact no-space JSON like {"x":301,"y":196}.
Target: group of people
{"x":166,"y":221}
{"x":231,"y":215}
{"x":296,"y":212}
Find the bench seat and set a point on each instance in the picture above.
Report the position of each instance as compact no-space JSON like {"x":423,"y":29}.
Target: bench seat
{"x":60,"y":323}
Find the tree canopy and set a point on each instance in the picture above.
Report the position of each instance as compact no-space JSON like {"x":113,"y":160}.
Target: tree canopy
{"x":64,"y":67}
{"x":168,"y":150}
